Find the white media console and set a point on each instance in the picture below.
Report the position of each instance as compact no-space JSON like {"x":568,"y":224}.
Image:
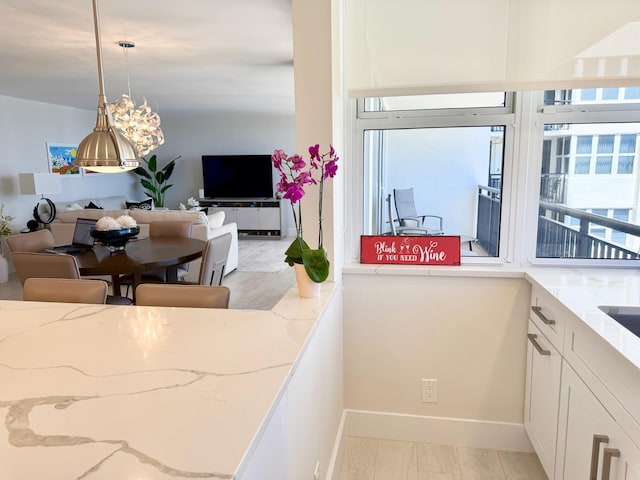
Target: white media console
{"x":254,"y":217}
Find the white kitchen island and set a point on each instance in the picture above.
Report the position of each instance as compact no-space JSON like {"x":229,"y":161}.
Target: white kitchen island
{"x":106,"y":392}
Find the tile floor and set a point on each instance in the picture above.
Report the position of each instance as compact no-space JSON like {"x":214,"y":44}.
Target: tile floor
{"x":372,"y":459}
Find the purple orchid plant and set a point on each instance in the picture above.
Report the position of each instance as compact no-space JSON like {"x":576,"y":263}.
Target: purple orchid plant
{"x":295,"y":175}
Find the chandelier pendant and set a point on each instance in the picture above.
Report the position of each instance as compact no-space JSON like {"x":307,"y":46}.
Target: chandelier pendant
{"x":139,"y":124}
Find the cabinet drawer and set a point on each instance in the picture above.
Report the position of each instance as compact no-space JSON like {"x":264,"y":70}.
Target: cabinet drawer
{"x":547,"y":314}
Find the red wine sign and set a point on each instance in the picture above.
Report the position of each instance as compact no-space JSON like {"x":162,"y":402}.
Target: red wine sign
{"x":410,"y":250}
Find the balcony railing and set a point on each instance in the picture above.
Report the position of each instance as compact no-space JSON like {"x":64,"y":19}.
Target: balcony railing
{"x":488,"y":229}
{"x":557,"y":240}
{"x":553,"y":187}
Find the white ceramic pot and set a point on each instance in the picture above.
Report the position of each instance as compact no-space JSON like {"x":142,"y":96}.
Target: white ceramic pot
{"x":307,"y":288}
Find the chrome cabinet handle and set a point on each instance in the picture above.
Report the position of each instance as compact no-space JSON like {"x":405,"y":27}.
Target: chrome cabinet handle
{"x":538,"y":311}
{"x":532,"y":338}
{"x":607,"y":454}
{"x":595,"y":451}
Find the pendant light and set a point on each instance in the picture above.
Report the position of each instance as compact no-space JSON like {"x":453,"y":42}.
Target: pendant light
{"x":139,"y":124}
{"x":105,"y":149}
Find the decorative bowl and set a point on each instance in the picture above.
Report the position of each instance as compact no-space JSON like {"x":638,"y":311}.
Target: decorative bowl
{"x":115,"y":239}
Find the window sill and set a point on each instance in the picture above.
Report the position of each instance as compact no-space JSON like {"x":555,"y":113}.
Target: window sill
{"x":496,"y":271}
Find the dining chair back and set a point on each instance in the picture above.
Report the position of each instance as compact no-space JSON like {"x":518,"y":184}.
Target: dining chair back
{"x":45,"y":265}
{"x":214,"y":260}
{"x":53,"y":265}
{"x":66,"y":290}
{"x":30,"y":242}
{"x":173,"y":295}
{"x":170,"y":228}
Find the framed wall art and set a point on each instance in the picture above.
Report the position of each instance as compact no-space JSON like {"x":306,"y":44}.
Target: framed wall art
{"x":61,"y":157}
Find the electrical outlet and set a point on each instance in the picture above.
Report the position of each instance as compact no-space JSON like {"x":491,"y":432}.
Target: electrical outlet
{"x":429,"y":390}
{"x":316,"y":471}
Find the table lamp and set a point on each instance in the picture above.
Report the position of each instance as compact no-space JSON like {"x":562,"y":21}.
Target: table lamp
{"x":41,"y":184}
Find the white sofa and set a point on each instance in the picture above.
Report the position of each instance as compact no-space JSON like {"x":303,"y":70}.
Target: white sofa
{"x":204,"y":226}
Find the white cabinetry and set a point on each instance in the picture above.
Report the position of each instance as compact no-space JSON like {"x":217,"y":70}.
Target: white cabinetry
{"x":591,"y":444}
{"x":254,"y":217}
{"x":576,"y":389}
{"x":544,"y":367}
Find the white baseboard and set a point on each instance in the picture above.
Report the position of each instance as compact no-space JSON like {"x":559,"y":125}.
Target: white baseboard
{"x":441,"y":430}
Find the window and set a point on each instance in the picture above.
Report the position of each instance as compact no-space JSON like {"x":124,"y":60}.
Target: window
{"x":452,"y":157}
{"x":583,"y":155}
{"x":595,"y":216}
{"x":579,"y":199}
{"x":627,"y":154}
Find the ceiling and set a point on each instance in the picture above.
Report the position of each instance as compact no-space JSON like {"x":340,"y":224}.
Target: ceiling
{"x":191,"y":57}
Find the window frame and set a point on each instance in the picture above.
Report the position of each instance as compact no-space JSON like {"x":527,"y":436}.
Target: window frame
{"x":432,"y":118}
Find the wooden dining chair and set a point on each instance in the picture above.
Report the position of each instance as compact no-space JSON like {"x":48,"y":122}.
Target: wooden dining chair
{"x":169,"y":228}
{"x":68,"y":290}
{"x":30,"y":242}
{"x":174,"y":295}
{"x":53,"y":265}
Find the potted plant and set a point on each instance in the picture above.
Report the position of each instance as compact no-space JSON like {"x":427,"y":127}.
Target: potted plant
{"x":154,"y":179}
{"x":5,"y":220}
{"x":295,"y":175}
{"x":5,"y":230}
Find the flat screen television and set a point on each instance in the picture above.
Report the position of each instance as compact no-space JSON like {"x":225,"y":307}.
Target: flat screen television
{"x":237,"y":176}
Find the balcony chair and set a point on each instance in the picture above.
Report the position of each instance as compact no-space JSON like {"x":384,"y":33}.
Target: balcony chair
{"x":53,"y":265}
{"x":66,"y":290}
{"x":408,"y":217}
{"x":172,"y":295}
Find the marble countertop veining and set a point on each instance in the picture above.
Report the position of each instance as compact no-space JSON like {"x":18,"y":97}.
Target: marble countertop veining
{"x":582,"y":290}
{"x":105,"y":392}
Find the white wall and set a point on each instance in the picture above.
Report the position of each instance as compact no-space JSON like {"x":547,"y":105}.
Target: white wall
{"x":26,"y":126}
{"x":468,"y":333}
{"x":195,"y":135}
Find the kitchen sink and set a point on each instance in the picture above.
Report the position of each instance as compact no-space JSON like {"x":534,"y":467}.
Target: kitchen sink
{"x":628,"y":317}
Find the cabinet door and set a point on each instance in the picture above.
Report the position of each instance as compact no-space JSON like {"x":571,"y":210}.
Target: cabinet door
{"x":247,"y":218}
{"x":269,"y":218}
{"x":591,"y":445}
{"x":542,"y":398}
{"x":230,"y":215}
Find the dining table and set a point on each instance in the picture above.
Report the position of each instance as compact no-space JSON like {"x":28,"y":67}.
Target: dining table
{"x":140,"y":255}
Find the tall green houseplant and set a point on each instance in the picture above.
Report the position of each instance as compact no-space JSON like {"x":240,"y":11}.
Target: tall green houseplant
{"x":154,"y":179}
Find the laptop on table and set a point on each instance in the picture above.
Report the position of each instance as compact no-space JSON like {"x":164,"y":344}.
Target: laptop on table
{"x":82,"y":240}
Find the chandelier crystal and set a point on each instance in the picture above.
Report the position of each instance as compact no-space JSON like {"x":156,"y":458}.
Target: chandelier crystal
{"x":139,"y":124}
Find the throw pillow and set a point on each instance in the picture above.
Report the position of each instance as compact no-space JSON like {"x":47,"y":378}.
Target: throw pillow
{"x":216,"y":219}
{"x":93,"y":205}
{"x":144,"y":205}
{"x":73,"y":206}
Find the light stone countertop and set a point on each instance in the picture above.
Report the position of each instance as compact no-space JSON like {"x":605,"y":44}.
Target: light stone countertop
{"x":120,"y":392}
{"x":582,"y":290}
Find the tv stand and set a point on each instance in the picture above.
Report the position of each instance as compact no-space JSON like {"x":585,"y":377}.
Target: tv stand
{"x":255,"y":217}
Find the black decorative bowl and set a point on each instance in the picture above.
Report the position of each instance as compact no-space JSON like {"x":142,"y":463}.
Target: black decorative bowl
{"x":115,"y":239}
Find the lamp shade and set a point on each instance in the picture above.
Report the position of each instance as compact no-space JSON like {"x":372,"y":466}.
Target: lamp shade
{"x":39,"y":183}
{"x":106,"y":150}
